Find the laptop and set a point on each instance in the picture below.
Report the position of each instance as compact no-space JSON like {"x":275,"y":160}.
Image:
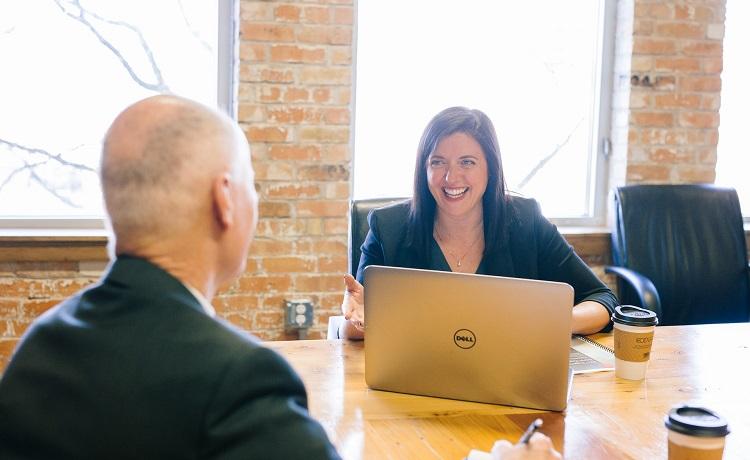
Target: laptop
{"x":471,"y":337}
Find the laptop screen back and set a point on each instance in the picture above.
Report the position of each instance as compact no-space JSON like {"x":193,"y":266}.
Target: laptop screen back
{"x":470,"y":337}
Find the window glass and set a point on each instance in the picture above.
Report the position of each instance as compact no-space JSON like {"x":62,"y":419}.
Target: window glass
{"x":733,"y":159}
{"x":535,"y":68}
{"x":68,"y":68}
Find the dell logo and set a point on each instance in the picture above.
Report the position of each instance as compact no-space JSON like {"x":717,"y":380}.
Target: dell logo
{"x":464,"y":338}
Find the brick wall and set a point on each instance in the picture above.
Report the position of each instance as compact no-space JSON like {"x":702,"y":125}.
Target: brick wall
{"x":295,"y":104}
{"x":675,"y":91}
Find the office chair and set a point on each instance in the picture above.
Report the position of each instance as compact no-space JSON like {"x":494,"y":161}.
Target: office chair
{"x":358,"y":228}
{"x":680,"y":251}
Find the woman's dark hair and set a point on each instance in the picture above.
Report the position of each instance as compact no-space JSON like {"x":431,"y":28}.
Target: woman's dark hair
{"x":476,"y":124}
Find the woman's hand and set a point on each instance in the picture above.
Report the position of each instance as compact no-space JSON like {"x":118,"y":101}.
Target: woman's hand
{"x":353,"y":306}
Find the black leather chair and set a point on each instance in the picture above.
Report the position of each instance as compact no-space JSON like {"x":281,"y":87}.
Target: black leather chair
{"x":680,"y":251}
{"x":358,"y":226}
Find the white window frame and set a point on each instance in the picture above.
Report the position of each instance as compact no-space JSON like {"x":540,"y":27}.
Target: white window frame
{"x":228,"y":44}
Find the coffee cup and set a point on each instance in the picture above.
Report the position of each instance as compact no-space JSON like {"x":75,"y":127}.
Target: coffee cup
{"x":695,"y":433}
{"x":634,"y":332}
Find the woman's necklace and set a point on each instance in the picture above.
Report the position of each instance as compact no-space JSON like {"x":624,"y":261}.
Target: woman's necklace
{"x":452,"y":254}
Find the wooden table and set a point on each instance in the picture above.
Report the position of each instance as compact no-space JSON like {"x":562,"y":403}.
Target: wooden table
{"x":606,"y":417}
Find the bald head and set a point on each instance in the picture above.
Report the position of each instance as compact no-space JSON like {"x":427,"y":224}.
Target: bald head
{"x":159,"y":159}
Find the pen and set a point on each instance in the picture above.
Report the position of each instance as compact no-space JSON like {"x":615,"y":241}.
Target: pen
{"x":530,"y":431}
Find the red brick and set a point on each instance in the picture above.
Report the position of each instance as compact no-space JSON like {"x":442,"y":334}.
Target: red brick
{"x":319,"y":283}
{"x":677,"y":64}
{"x":664,"y":83}
{"x":652,"y":118}
{"x":288,"y":264}
{"x":34,"y":308}
{"x":642,"y":45}
{"x":269,"y":93}
{"x":340,"y":190}
{"x":327,"y":35}
{"x":256,"y":11}
{"x":273,"y":170}
{"x":288,"y":13}
{"x":710,"y":102}
{"x":317,"y":14}
{"x":266,"y":134}
{"x":322,"y":247}
{"x":713,"y":65}
{"x":316,"y":75}
{"x":701,"y":84}
{"x":696,"y":174}
{"x":322,"y":208}
{"x":647,"y":173}
{"x":696,"y":13}
{"x":344,"y":96}
{"x":324,"y":134}
{"x":295,"y":115}
{"x":333,"y":264}
{"x":341,"y":55}
{"x":253,"y":52}
{"x":242,"y":321}
{"x":7,"y":346}
{"x":237,"y":302}
{"x":707,"y":156}
{"x":321,"y":95}
{"x":324,"y":173}
{"x":670,"y":155}
{"x":336,"y":116}
{"x":680,"y":30}
{"x":292,"y":53}
{"x":677,"y":137}
{"x":274,"y":209}
{"x":665,"y":101}
{"x":304,"y":190}
{"x":296,"y":94}
{"x":333,"y":153}
{"x":266,"y":32}
{"x":343,"y":15}
{"x":703,"y":48}
{"x":263,"y":246}
{"x":269,"y":319}
{"x":250,"y":113}
{"x":294,"y":152}
{"x":262,"y":74}
{"x":261,"y":284}
{"x":653,"y":10}
{"x":336,"y":226}
{"x":274,"y":228}
{"x":9,"y":308}
{"x":699,"y":119}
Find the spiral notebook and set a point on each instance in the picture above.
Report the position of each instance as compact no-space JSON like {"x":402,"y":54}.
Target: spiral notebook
{"x":589,"y":356}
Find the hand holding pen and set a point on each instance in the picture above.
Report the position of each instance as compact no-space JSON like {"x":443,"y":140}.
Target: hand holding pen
{"x":531,"y":446}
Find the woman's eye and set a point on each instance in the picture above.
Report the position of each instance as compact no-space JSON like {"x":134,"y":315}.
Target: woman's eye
{"x":436,"y":163}
{"x":467,"y":162}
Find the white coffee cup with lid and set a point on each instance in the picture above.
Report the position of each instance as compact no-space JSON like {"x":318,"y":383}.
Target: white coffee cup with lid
{"x":634,"y":333}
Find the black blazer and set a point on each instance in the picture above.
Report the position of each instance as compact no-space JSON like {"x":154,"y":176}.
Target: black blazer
{"x":534,"y":250}
{"x":134,"y":368}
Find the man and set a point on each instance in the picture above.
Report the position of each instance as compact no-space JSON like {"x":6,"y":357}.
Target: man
{"x":137,"y":366}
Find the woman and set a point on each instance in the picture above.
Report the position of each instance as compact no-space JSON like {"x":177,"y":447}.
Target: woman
{"x":461,"y":219}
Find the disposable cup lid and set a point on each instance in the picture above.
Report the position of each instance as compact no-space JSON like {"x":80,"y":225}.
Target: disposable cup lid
{"x":634,"y":316}
{"x":696,"y":421}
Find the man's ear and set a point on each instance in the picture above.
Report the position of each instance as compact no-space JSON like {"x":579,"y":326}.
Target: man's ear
{"x":223,"y":204}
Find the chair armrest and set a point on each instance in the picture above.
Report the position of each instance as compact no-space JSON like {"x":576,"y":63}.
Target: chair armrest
{"x":647,"y":294}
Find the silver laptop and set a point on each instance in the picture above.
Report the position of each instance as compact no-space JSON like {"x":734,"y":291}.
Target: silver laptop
{"x":469,"y":337}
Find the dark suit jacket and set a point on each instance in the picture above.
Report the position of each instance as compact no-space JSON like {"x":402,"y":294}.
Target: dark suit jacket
{"x":534,"y":250}
{"x":134,"y":368}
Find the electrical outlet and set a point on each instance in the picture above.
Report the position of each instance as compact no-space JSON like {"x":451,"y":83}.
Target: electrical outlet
{"x":299,"y":313}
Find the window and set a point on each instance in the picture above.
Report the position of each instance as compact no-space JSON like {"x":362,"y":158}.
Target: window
{"x":541,"y":70}
{"x":733,"y":160}
{"x":69,"y":66}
